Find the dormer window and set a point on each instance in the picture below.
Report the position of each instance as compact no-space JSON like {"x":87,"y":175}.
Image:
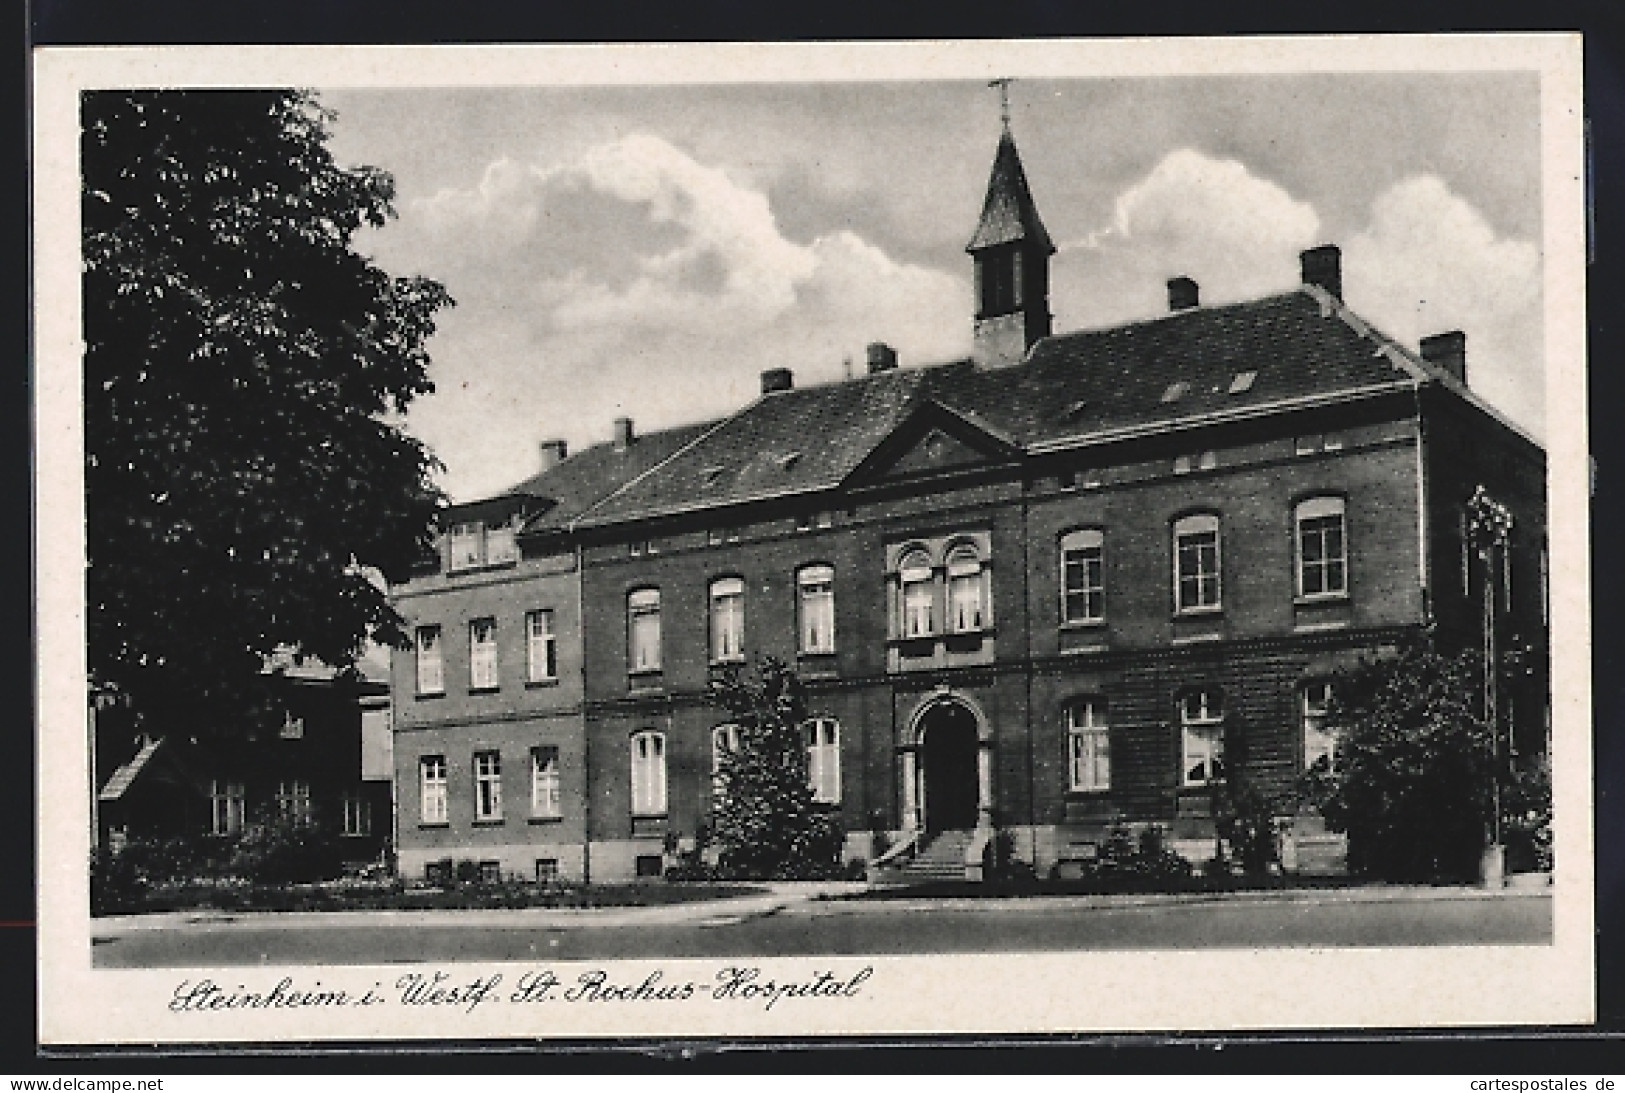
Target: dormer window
{"x":1243,"y":382}
{"x":473,"y":545}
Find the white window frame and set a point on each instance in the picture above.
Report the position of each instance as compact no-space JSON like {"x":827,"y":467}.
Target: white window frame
{"x":501,"y":544}
{"x":487,"y":768}
{"x":357,"y":818}
{"x":1314,"y":703}
{"x":293,"y":726}
{"x":541,"y":647}
{"x":965,"y":574}
{"x":1319,"y":510}
{"x":293,"y":799}
{"x":227,"y":807}
{"x":1209,"y":583}
{"x":648,"y":755}
{"x":465,"y":545}
{"x":432,"y":785}
{"x":815,"y":599}
{"x":917,"y":587}
{"x":546,"y":783}
{"x":429,"y":661}
{"x":1083,"y":552}
{"x":726,"y":600}
{"x":724,"y":740}
{"x":1088,"y":746}
{"x":1201,"y":731}
{"x":643,"y":630}
{"x":823,"y":737}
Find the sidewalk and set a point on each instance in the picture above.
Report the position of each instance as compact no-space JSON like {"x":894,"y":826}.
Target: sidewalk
{"x":797,"y":898}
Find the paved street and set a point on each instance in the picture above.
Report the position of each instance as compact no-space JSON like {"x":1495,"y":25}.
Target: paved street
{"x":792,"y":925}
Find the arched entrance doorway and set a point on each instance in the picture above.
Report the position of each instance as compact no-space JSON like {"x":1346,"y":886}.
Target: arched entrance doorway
{"x":949,"y":743}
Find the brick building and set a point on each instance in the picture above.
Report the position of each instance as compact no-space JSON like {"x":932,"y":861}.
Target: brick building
{"x":1065,"y":582}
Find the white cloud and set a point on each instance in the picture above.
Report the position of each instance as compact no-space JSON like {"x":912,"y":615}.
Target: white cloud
{"x":1214,"y":220}
{"x":584,"y":284}
{"x":1430,"y":262}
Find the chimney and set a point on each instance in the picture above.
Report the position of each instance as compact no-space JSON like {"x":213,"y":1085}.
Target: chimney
{"x":882,"y":358}
{"x":1182,"y":294}
{"x":1447,"y":351}
{"x":1323,"y":266}
{"x":777,"y":379}
{"x":623,"y":433}
{"x":553,"y":452}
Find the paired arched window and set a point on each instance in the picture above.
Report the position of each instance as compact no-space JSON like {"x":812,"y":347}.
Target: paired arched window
{"x":823,"y":736}
{"x":967,"y":591}
{"x":727,"y":620}
{"x":648,"y":773}
{"x":1201,"y":725}
{"x":815,"y":595}
{"x":1322,"y":547}
{"x":1088,"y":746}
{"x":919,"y":594}
{"x":1083,"y":589}
{"x":1196,"y":563}
{"x":643,"y":630}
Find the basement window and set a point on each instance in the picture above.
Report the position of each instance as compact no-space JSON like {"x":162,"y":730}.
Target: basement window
{"x":789,"y":460}
{"x":1243,"y":382}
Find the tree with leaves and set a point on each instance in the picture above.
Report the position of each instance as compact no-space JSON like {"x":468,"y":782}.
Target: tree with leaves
{"x":764,"y":821}
{"x":245,"y":368}
{"x":1411,"y":782}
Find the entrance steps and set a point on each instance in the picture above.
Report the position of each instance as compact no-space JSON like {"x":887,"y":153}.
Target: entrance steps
{"x":935,"y":857}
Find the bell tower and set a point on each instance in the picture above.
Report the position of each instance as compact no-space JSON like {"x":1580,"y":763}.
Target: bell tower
{"x":1010,"y":253}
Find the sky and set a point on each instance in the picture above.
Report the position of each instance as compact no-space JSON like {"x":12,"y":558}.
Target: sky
{"x":647,"y":251}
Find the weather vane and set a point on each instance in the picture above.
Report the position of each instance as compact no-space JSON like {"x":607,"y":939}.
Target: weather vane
{"x":1003,"y":84}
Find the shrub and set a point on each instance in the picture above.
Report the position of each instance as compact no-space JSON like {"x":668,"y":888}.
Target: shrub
{"x":1245,"y":817}
{"x":1526,"y":808}
{"x":1411,"y":780}
{"x":1145,"y":856}
{"x":283,"y":849}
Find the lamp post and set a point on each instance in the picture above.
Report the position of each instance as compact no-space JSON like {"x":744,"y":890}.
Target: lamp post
{"x":1489,"y":523}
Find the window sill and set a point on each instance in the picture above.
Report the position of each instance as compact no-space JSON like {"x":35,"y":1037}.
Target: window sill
{"x":484,"y":690}
{"x":429,"y":825}
{"x":482,"y":567}
{"x":1199,"y":612}
{"x":550,"y":681}
{"x":1084,"y":624}
{"x":727,"y":662}
{"x":1076,"y":794}
{"x":496,"y":822}
{"x":545,"y":819}
{"x":1321,"y":599}
{"x":422,"y":695}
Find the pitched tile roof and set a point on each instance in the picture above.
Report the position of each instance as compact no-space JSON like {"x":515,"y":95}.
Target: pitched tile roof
{"x":1008,"y":212}
{"x":592,"y":474}
{"x":1074,"y":388}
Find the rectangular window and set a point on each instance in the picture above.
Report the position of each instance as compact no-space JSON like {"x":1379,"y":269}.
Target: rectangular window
{"x":467,"y":545}
{"x":545,"y":787}
{"x":649,"y":774}
{"x":501,"y":545}
{"x":1196,"y":563}
{"x":432,"y":790}
{"x":919,"y":605}
{"x":824,"y":759}
{"x":727,"y":619}
{"x":226,"y":807}
{"x":1322,"y":549}
{"x":541,"y":649}
{"x":724,"y":742}
{"x":1089,"y":757}
{"x":487,"y":785}
{"x":547,"y":870}
{"x":1314,"y":704}
{"x":643,"y":630}
{"x":1083,"y":592}
{"x":482,"y":655}
{"x":817,"y":594}
{"x":293,"y":799}
{"x":431,"y":677}
{"x":1201,"y":717}
{"x":357,"y":815}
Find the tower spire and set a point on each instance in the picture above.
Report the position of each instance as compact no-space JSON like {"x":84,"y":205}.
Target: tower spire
{"x":1010,"y":254}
